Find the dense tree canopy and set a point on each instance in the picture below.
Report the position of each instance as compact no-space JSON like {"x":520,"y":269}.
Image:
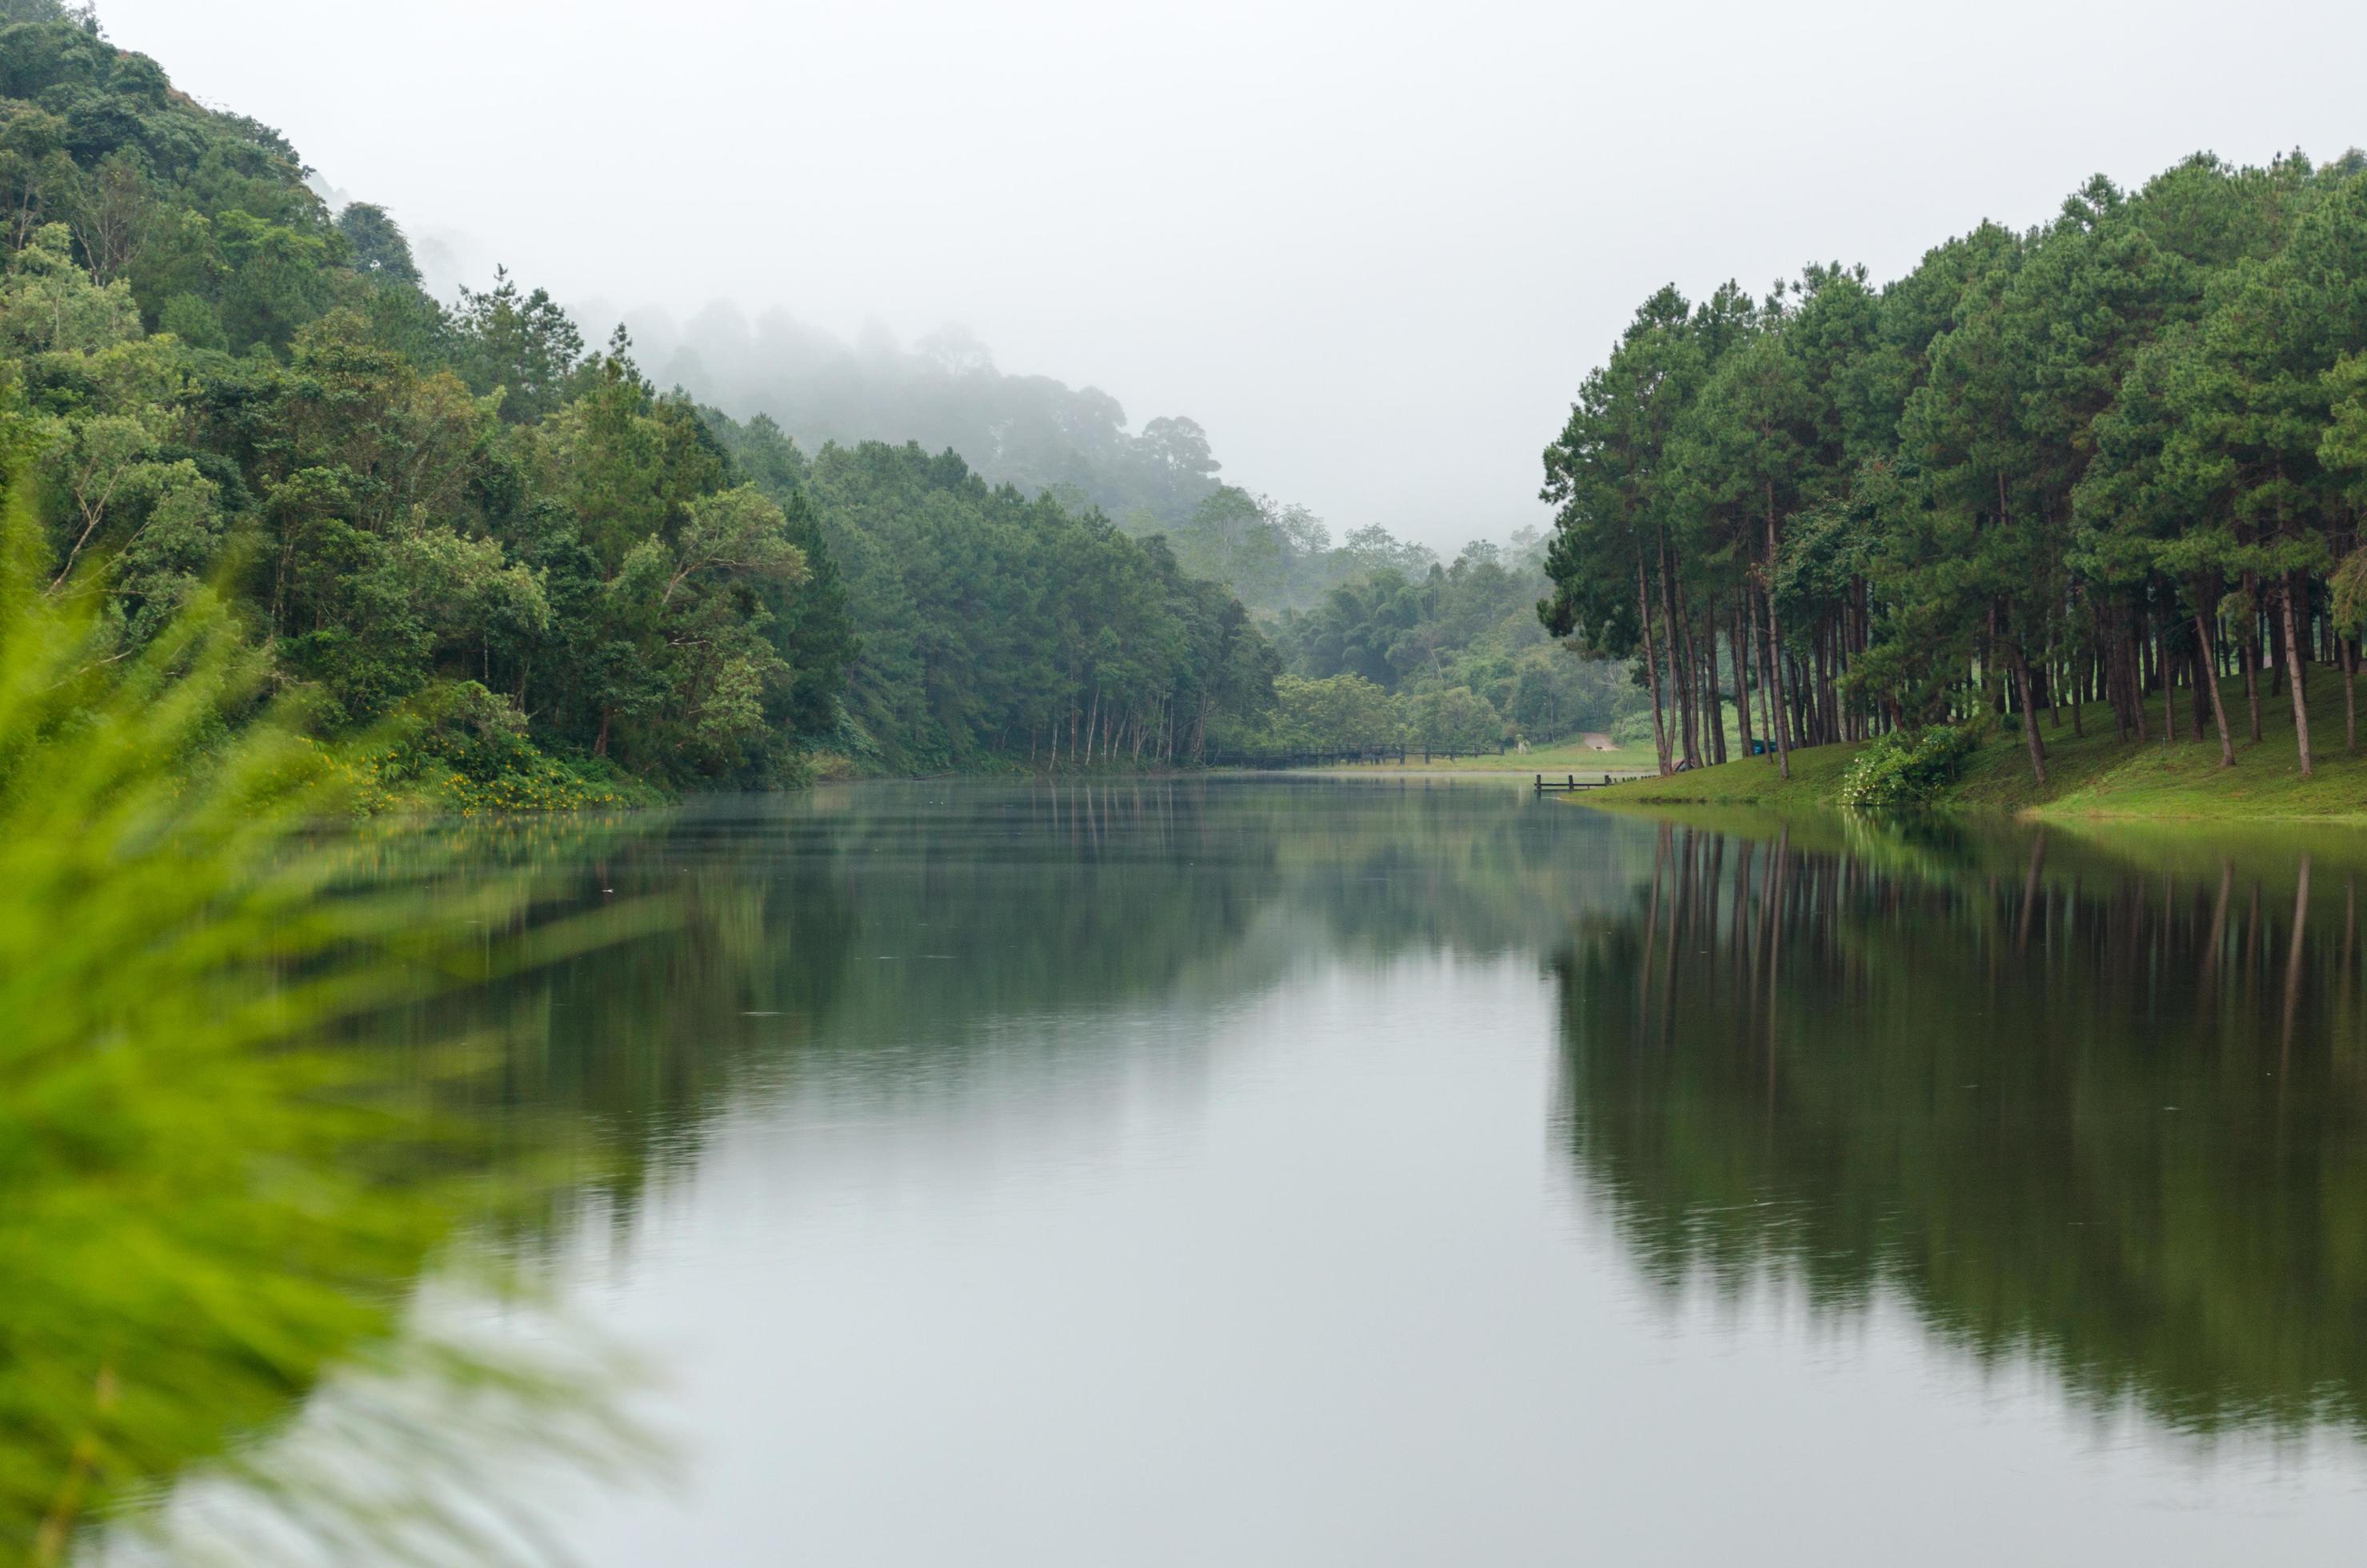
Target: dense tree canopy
{"x":459,"y":518}
{"x":2105,"y":459}
{"x":993,"y":625}
{"x":1457,"y":647}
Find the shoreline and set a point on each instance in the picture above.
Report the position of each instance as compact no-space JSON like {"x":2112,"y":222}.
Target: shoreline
{"x":2091,"y":776}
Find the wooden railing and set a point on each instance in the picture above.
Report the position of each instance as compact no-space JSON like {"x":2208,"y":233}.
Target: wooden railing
{"x":1400,"y":755}
{"x":1567,"y":785}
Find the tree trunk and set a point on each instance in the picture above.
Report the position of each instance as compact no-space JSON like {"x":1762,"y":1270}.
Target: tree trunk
{"x":2029,"y":718}
{"x":1835,"y":668}
{"x":1710,"y":696}
{"x":1679,"y":658}
{"x":2246,"y":648}
{"x":1741,"y":678}
{"x":2196,"y":663}
{"x":2133,"y":653}
{"x":1775,"y":647}
{"x":2210,"y":669}
{"x":2350,"y":647}
{"x":2294,"y":675}
{"x":1651,"y":665}
{"x":1766,"y":698}
{"x":1821,"y":686}
{"x":1712,"y":707}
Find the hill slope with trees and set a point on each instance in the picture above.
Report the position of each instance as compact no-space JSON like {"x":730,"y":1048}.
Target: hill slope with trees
{"x":943,"y":394}
{"x":565,"y":583}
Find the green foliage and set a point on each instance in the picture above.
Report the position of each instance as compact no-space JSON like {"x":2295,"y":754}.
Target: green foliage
{"x":378,"y":248}
{"x":431,"y":514}
{"x":1347,"y":712}
{"x":462,"y":750}
{"x":206,"y":1205}
{"x":1454,"y":717}
{"x":413,"y":508}
{"x":1343,"y":712}
{"x":1908,"y":767}
{"x":2042,"y":461}
{"x":996,"y":626}
{"x":1469,"y":627}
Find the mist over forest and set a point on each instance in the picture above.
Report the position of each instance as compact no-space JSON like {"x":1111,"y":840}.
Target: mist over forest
{"x":1379,"y":638}
{"x":943,"y":391}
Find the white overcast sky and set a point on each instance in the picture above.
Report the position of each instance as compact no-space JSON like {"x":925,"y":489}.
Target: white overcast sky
{"x":1372,"y":247}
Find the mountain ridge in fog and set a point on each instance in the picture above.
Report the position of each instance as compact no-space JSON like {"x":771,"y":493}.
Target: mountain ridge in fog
{"x":942,"y":392}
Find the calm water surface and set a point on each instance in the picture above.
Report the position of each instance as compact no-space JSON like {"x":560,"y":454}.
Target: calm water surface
{"x":1390,"y":1173}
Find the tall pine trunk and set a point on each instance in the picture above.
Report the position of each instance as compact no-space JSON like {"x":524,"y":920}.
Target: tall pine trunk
{"x":2349,"y":650}
{"x":1776,"y":649}
{"x":2250,"y":653}
{"x":2295,"y":676}
{"x":2210,"y":670}
{"x":1679,"y":658}
{"x":1741,"y":677}
{"x":2133,"y":655}
{"x":2029,"y":716}
{"x":1766,"y":699}
{"x":1651,"y":665}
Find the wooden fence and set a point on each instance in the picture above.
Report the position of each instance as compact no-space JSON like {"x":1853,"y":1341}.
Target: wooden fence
{"x":1377,"y":756}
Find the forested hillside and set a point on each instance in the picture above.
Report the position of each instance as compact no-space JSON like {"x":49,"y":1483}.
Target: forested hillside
{"x":1419,"y":654}
{"x":2121,"y":457}
{"x":995,"y":626}
{"x":1472,"y":665}
{"x":1382,"y":644}
{"x":565,"y":583}
{"x":943,"y":394}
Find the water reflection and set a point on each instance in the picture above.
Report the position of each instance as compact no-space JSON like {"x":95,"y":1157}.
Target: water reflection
{"x":1222,"y":1108}
{"x":2096,"y":1102}
{"x":2094,"y":1099}
{"x":882,"y":933}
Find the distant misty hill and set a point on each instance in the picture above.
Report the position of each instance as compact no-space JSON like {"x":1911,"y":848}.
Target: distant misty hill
{"x":942,"y":392}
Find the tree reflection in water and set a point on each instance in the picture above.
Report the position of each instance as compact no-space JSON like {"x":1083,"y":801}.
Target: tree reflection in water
{"x":2097,"y":1107}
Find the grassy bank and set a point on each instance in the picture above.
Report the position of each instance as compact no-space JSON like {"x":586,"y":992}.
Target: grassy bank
{"x":2095,"y":775}
{"x":420,"y":775}
{"x":1570,"y":756}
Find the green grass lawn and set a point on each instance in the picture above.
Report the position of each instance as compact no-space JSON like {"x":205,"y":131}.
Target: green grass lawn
{"x":2094,"y":775}
{"x":1570,"y":756}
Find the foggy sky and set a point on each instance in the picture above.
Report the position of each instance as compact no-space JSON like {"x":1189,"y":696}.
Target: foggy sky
{"x":1371,"y":248}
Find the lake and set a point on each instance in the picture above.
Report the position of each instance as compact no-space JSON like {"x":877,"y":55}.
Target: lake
{"x":1414,"y":1171}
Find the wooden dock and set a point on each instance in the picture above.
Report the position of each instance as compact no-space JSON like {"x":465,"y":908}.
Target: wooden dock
{"x":1567,"y":785}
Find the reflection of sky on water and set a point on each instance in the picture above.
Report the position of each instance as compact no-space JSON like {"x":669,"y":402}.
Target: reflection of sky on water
{"x":1276,"y":1245}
